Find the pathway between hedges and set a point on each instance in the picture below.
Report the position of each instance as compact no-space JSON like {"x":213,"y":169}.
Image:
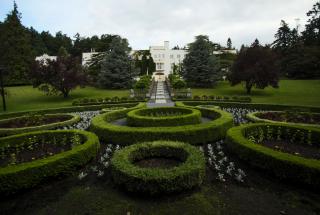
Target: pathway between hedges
{"x":160,"y":97}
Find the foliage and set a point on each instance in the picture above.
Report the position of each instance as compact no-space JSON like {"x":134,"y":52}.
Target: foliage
{"x":144,"y":62}
{"x":256,"y":66}
{"x":163,"y":116}
{"x":16,"y":53}
{"x":155,"y":181}
{"x":213,"y":130}
{"x":246,"y":99}
{"x":143,"y":83}
{"x":117,"y":70}
{"x":200,"y":66}
{"x":311,"y":34}
{"x":283,"y":165}
{"x":26,"y":175}
{"x":58,"y":76}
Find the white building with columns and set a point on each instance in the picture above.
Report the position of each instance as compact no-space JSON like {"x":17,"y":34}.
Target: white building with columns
{"x":165,"y":58}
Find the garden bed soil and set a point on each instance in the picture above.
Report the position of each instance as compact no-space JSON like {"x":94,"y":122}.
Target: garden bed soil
{"x":295,"y":149}
{"x":163,"y":163}
{"x":33,"y":153}
{"x":38,"y":121}
{"x":293,"y":117}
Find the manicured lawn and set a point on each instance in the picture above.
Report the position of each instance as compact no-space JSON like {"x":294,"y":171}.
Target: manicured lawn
{"x":293,"y":92}
{"x":27,"y":97}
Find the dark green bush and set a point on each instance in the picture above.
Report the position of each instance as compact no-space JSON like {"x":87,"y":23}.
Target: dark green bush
{"x":163,"y":116}
{"x":202,"y":133}
{"x":17,"y":177}
{"x":154,"y":181}
{"x":286,"y":166}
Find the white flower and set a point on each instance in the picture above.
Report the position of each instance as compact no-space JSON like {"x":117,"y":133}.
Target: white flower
{"x":100,"y":173}
{"x":82,"y":175}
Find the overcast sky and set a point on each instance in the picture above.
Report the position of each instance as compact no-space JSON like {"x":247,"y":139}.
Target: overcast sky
{"x":150,"y":22}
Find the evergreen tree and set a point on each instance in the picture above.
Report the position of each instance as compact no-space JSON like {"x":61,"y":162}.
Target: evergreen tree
{"x":37,"y":44}
{"x":229,"y":43}
{"x":284,"y":37}
{"x":117,"y":70}
{"x":16,"y":54}
{"x":200,"y":66}
{"x":311,"y":35}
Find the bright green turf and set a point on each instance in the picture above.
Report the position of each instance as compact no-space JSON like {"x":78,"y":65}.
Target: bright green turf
{"x":27,"y":98}
{"x":292,"y":92}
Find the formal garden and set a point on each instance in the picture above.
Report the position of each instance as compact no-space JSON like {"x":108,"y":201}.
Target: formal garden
{"x":219,"y":135}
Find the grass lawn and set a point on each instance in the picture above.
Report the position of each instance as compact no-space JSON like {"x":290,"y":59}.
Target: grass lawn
{"x":292,"y":92}
{"x":27,"y":98}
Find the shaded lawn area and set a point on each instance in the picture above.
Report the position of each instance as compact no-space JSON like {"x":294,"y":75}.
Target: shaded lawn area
{"x":292,"y":92}
{"x":27,"y":98}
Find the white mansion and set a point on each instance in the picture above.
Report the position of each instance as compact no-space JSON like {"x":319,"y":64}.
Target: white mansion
{"x":164,"y":57}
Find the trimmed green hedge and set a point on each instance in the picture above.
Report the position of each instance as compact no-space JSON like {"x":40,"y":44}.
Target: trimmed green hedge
{"x":26,"y":175}
{"x":151,"y":117}
{"x":195,"y":134}
{"x":215,"y":98}
{"x":189,"y":174}
{"x":283,"y":165}
{"x":101,"y":101}
{"x":254,"y":117}
{"x":259,"y":106}
{"x":11,"y":131}
{"x":67,"y":109}
{"x":106,"y":110}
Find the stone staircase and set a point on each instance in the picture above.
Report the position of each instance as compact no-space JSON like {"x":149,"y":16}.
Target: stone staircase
{"x":160,"y":96}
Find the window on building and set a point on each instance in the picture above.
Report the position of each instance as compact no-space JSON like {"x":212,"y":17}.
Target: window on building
{"x":171,"y":56}
{"x":178,"y":56}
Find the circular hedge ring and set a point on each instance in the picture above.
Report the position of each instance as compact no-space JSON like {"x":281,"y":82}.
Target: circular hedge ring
{"x":241,"y":140}
{"x":153,"y":181}
{"x":213,"y":130}
{"x":109,"y":109}
{"x":66,"y":119}
{"x":163,"y":116}
{"x":15,"y":177}
{"x":257,"y":117}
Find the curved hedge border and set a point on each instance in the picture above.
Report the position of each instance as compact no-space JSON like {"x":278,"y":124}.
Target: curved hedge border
{"x":283,"y":165}
{"x":152,"y":181}
{"x":195,"y":134}
{"x":254,"y":118}
{"x":67,"y":109}
{"x":12,"y":131}
{"x":259,"y":106}
{"x":106,"y":110}
{"x":141,"y":118}
{"x":26,"y":175}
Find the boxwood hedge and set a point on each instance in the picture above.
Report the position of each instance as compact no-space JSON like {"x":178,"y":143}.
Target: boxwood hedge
{"x":10,"y":131}
{"x":26,"y":175}
{"x":213,"y":130}
{"x":163,"y":116}
{"x":283,"y":165}
{"x":260,"y":106}
{"x":154,"y":181}
{"x":67,"y":109}
{"x":254,"y":117}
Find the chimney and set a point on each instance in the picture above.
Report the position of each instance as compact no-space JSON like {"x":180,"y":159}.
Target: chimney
{"x":166,"y":45}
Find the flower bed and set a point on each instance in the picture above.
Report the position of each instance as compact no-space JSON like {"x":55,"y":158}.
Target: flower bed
{"x":302,"y":118}
{"x":24,"y":172}
{"x":29,"y":123}
{"x":163,"y":116}
{"x":287,"y":151}
{"x":212,"y":130}
{"x":153,"y":181}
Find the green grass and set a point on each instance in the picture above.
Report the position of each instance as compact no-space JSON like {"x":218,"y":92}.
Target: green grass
{"x":292,"y":92}
{"x":27,"y":98}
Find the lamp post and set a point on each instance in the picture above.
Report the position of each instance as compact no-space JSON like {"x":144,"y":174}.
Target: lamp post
{"x":2,"y":89}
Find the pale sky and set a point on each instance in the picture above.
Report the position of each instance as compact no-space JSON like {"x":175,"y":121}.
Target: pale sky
{"x":150,"y":22}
